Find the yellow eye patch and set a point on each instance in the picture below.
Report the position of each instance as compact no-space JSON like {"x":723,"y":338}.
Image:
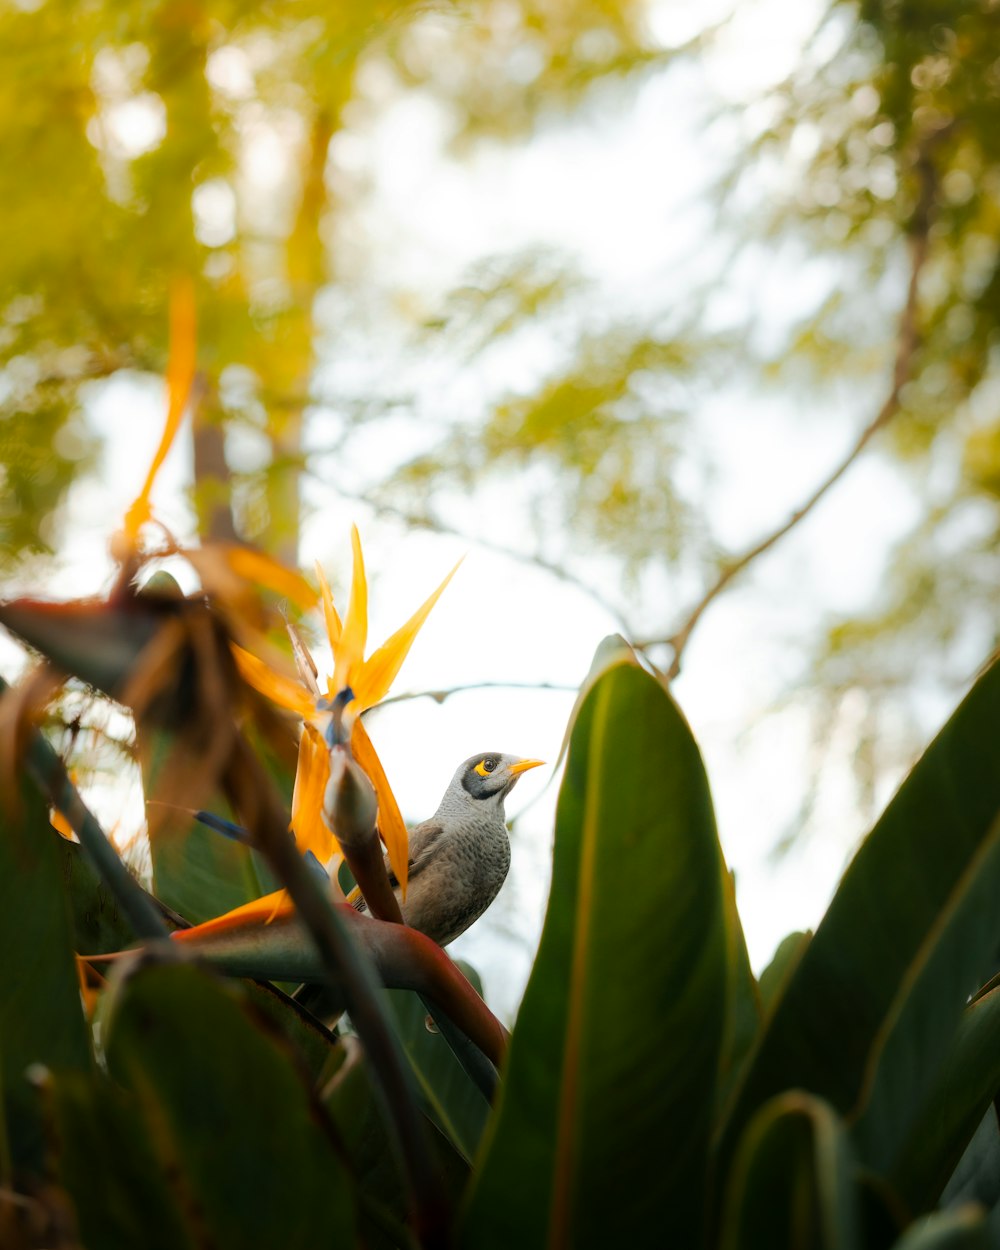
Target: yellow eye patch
{"x":485,"y":767}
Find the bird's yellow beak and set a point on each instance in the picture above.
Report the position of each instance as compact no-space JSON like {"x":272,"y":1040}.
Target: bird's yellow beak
{"x":522,"y":766}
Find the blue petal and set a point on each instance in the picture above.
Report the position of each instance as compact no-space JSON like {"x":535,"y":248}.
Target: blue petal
{"x":318,"y":869}
{"x":225,"y":827}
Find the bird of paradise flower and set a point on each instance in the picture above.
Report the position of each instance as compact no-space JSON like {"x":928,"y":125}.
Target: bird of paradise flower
{"x":334,"y":715}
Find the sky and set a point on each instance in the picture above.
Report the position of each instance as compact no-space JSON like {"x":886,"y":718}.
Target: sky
{"x":639,"y":230}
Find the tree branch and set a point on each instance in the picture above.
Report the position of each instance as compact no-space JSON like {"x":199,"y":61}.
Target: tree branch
{"x":439,"y":696}
{"x":907,"y":344}
{"x":418,"y":521}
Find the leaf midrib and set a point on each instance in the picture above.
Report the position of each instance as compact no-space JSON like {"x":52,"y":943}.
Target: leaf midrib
{"x":562,"y":1181}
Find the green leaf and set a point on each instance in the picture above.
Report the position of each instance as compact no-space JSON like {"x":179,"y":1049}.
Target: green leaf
{"x":604,"y":1120}
{"x":41,"y":1019}
{"x":963,"y":1229}
{"x":776,"y":975}
{"x":318,"y":1052}
{"x":199,"y":873}
{"x":106,"y":1162}
{"x":967,"y":1083}
{"x":611,"y":650}
{"x":919,"y":1031}
{"x":196,"y":871}
{"x":743,"y":1008}
{"x":353,"y":1104}
{"x":791,"y":1183}
{"x":450,"y":1098}
{"x":99,"y":925}
{"x":870,"y":1009}
{"x":976,"y":1178}
{"x":230,"y":1121}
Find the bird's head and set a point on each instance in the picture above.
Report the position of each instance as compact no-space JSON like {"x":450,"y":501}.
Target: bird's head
{"x":492,"y":776}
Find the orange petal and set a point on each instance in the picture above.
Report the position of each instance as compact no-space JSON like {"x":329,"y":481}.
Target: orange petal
{"x":333,"y":626}
{"x":257,"y":567}
{"x":61,"y":825}
{"x":390,"y":821}
{"x":58,"y":821}
{"x":87,"y":993}
{"x":260,"y":911}
{"x":379,"y":672}
{"x":284,"y":691}
{"x":351,"y":648}
{"x":180,"y":376}
{"x":311,"y":776}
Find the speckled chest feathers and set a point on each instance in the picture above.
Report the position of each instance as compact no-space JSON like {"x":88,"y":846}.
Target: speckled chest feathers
{"x":460,"y":857}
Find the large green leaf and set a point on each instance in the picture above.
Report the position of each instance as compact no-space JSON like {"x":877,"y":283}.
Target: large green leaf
{"x":99,"y":924}
{"x":967,"y":1083}
{"x":603,"y":1126}
{"x":976,"y":1178}
{"x":106,"y":1162}
{"x":791,"y":1186}
{"x":230,"y":1120}
{"x":963,"y":1229}
{"x":352,"y":1101}
{"x":871,"y":1007}
{"x":41,"y":1019}
{"x":450,"y":1098}
{"x":919,"y":1031}
{"x":743,"y":1009}
{"x":196,"y":871}
{"x":771,"y":981}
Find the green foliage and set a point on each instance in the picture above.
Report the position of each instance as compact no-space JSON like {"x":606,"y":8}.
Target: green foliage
{"x":121,"y":1192}
{"x":867,"y":1012}
{"x":40,"y":1017}
{"x":620,"y":1030}
{"x":834,"y":1105}
{"x":213,"y":1088}
{"x":449,"y":1098}
{"x":791,"y":1183}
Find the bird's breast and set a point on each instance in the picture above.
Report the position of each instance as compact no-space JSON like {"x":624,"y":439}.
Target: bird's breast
{"x":463,"y":879}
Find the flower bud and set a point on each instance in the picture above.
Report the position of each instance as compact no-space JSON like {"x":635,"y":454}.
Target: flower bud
{"x":349,"y":804}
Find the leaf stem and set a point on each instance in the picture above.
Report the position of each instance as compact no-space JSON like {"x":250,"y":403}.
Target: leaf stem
{"x":352,"y":970}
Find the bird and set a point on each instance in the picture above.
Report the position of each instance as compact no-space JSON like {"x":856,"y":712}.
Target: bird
{"x":459,"y":858}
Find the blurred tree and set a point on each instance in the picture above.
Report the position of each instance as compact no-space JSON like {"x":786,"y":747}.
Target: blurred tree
{"x":145,"y":140}
{"x":881,"y":155}
{"x":876,"y":164}
{"x":131,"y":133}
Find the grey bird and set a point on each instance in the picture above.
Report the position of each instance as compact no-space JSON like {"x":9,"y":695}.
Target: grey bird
{"x":459,"y":857}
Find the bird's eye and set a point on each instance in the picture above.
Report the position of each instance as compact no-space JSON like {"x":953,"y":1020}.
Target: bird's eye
{"x":486,"y":766}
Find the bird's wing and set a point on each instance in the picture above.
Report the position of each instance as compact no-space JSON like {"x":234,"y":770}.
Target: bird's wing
{"x":422,"y":841}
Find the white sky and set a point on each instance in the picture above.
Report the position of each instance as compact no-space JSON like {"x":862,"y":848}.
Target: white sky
{"x":637,"y":228}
